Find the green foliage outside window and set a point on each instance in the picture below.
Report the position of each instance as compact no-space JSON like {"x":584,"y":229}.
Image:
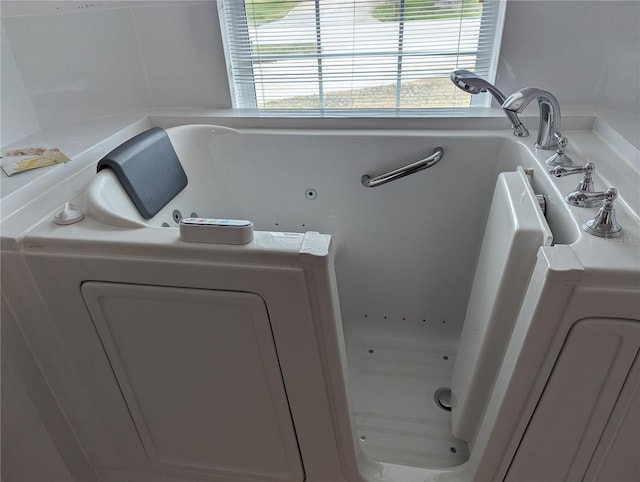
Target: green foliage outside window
{"x":260,"y":12}
{"x":390,"y":11}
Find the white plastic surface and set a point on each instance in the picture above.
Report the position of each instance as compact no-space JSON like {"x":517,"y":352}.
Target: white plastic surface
{"x":615,"y":457}
{"x":108,"y":202}
{"x":514,"y":232}
{"x":200,"y":375}
{"x":595,"y":362}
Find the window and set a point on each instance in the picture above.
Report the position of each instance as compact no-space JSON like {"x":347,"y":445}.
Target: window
{"x":345,"y":55}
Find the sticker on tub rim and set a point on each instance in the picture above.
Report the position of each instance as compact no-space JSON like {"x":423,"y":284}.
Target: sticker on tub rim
{"x":14,"y":161}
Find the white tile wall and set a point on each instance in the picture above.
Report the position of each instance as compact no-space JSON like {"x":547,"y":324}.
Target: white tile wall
{"x":20,"y":119}
{"x":617,"y":98}
{"x":183,"y":55}
{"x":554,"y":45}
{"x":586,"y":53}
{"x":78,"y":65}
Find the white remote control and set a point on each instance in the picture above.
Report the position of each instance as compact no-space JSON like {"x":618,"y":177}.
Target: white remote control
{"x":216,"y":231}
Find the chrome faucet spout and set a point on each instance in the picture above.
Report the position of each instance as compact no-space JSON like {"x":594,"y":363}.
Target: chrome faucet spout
{"x":549,"y":128}
{"x":471,"y":83}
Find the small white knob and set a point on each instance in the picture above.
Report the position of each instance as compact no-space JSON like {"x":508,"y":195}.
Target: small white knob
{"x":70,"y":214}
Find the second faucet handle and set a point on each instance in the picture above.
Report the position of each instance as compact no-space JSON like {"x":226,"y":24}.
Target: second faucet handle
{"x":561,"y":171}
{"x":585,"y":185}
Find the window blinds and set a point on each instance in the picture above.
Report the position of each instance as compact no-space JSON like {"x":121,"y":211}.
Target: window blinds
{"x":346,"y":55}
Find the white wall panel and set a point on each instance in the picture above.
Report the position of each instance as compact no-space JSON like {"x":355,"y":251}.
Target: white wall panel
{"x":78,"y":65}
{"x":554,"y":45}
{"x":183,"y":55}
{"x":21,"y":119}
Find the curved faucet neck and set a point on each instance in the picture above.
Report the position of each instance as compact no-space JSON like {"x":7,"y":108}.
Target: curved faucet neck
{"x":549,"y":127}
{"x":550,"y":118}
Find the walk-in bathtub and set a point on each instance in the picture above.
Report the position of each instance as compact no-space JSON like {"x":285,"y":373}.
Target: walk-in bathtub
{"x":325,"y":349}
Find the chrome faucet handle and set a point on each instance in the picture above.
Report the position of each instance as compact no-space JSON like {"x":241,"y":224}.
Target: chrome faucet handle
{"x":584,"y":186}
{"x":585,"y":199}
{"x":560,"y":158}
{"x":605,"y":224}
{"x":561,"y":171}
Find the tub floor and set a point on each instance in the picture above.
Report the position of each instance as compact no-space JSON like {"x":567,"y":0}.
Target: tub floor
{"x":393,"y":378}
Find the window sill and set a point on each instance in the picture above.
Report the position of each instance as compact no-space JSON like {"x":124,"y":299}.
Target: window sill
{"x":574,"y":118}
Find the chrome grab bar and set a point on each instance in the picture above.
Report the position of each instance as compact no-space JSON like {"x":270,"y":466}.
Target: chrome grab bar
{"x":368,"y":181}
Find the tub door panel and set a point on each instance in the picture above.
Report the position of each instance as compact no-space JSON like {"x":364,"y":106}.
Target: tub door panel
{"x":200,"y":377}
{"x":616,"y":457}
{"x":596,"y":361}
